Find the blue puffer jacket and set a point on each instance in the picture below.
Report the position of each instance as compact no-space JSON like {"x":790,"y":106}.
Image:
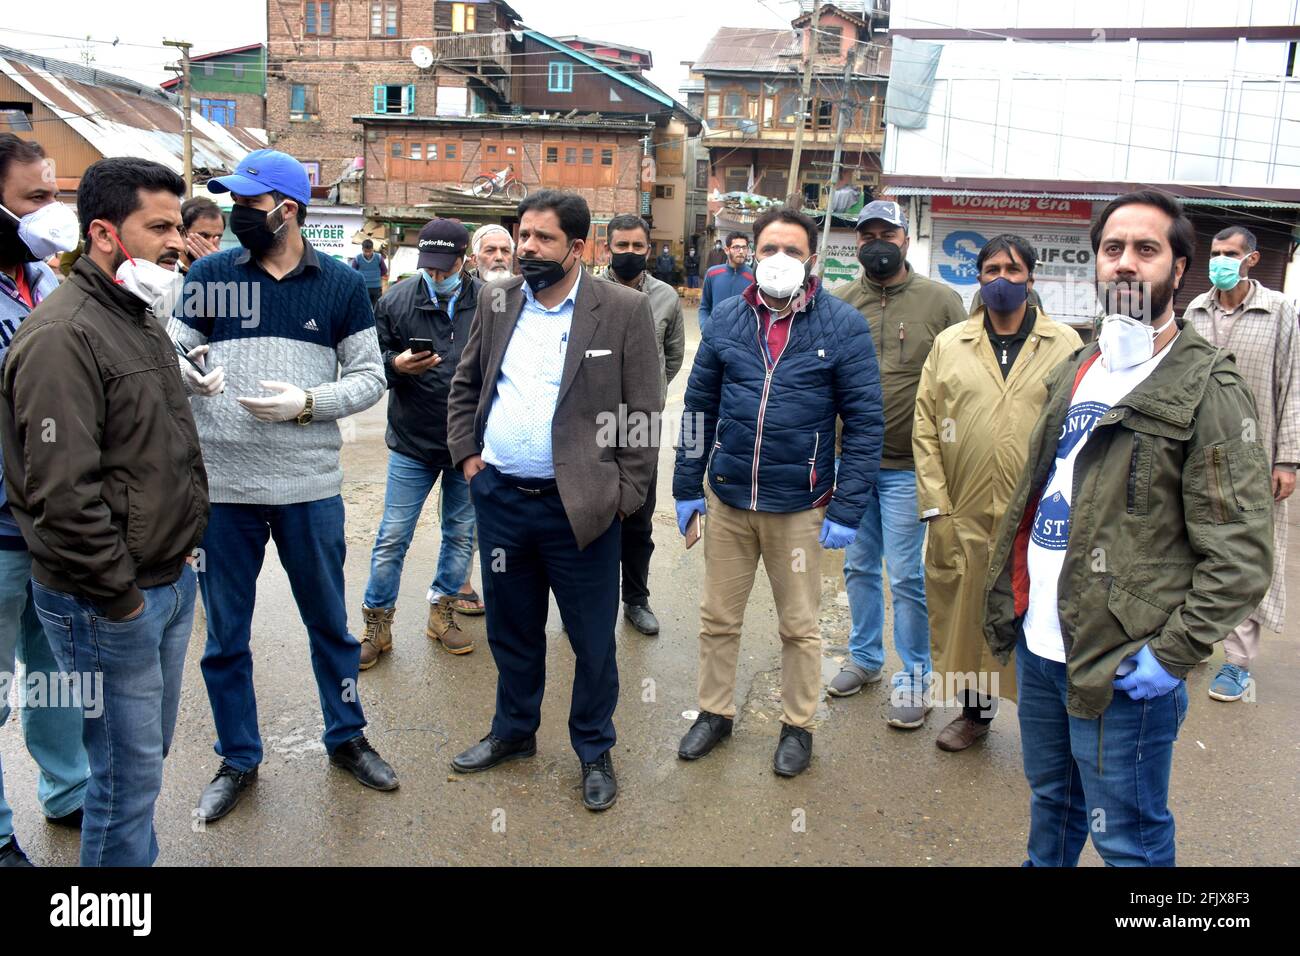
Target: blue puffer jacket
{"x":766,"y":442}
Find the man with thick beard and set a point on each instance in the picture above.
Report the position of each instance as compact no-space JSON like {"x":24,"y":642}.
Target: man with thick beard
{"x":1140,"y":534}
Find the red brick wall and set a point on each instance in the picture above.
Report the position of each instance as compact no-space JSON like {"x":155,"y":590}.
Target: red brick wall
{"x":623,"y":196}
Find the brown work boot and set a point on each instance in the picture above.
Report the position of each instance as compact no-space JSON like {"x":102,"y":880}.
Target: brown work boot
{"x":379,"y":634}
{"x":960,"y":734}
{"x":442,"y":626}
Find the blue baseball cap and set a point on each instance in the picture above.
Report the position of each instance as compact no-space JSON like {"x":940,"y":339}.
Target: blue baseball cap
{"x":884,"y":210}
{"x":264,"y":171}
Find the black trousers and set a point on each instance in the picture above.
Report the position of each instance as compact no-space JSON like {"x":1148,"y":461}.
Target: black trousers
{"x":638,"y":545}
{"x":527,"y":550}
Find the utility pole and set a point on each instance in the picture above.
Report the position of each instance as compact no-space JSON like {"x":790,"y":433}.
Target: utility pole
{"x":187,"y":132}
{"x":849,"y":62}
{"x":805,"y":102}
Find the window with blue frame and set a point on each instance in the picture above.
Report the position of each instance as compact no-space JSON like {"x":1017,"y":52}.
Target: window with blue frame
{"x":218,"y":111}
{"x":302,"y":101}
{"x":395,"y":98}
{"x":559,"y":77}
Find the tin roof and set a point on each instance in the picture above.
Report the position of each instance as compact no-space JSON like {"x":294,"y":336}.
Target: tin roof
{"x":751,"y":49}
{"x":120,"y":117}
{"x":590,"y":121}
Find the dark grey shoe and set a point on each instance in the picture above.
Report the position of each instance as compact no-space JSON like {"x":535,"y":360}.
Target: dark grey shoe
{"x":794,"y":751}
{"x":642,"y":618}
{"x":908,"y":707}
{"x":490,"y":751}
{"x":706,"y":733}
{"x":12,"y":855}
{"x":220,"y":796}
{"x":852,"y":679}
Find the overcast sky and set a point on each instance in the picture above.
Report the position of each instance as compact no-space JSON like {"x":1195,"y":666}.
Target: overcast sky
{"x":678,"y":32}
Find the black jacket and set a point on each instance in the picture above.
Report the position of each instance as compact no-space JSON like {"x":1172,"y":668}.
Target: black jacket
{"x":417,"y":404}
{"x":101,"y":457}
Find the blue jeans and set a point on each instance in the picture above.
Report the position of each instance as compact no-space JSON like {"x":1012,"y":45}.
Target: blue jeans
{"x":129,"y":674}
{"x":889,"y":531}
{"x":1109,"y":776}
{"x":409,"y":484}
{"x":309,"y":538}
{"x":52,"y":731}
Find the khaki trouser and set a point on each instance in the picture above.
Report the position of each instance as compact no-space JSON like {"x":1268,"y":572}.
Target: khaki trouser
{"x":788,"y":544}
{"x":1242,"y":643}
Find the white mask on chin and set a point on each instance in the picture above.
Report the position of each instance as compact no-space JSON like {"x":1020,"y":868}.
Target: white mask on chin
{"x":1126,"y":342}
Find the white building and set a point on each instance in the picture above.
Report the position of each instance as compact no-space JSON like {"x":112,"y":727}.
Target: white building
{"x":1041,"y":112}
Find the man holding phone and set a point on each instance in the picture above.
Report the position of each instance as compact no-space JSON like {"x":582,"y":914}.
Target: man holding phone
{"x":423,"y":323}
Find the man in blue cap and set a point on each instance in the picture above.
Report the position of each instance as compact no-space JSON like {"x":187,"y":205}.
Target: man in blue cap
{"x":298,"y":325}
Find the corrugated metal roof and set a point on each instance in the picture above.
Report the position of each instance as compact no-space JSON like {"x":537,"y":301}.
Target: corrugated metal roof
{"x":1011,"y":193}
{"x":508,"y":119}
{"x":120,"y":117}
{"x":750,"y":48}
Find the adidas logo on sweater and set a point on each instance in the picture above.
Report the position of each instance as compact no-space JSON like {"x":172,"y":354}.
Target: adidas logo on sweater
{"x":311,"y":326}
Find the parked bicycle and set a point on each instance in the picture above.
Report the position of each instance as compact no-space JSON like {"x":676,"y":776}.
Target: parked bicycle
{"x":505,"y":182}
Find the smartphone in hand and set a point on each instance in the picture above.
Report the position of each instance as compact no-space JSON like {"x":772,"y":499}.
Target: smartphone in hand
{"x":419,"y":345}
{"x":694,"y":529}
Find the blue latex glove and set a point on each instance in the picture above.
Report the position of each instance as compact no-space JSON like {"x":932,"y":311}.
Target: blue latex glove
{"x":684,"y":511}
{"x":1148,"y":679}
{"x":836,"y":535}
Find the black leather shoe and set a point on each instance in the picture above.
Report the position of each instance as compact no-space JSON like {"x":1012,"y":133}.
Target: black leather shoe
{"x":793,"y":752}
{"x":642,"y":618}
{"x":220,"y":796}
{"x":599,"y":788}
{"x":358,"y":758}
{"x":70,"y":820}
{"x":490,"y":751}
{"x":705,"y":734}
{"x":12,"y":855}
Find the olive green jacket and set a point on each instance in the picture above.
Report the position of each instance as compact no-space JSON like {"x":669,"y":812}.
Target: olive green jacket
{"x":904,"y":320}
{"x":1171,"y":524}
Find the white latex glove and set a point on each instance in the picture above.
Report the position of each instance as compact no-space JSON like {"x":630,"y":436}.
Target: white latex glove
{"x":213,"y":383}
{"x":282,"y":407}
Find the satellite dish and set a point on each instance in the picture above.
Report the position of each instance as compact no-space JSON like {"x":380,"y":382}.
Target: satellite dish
{"x":422,"y":57}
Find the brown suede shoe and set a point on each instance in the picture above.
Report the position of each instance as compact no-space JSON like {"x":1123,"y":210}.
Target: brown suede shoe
{"x":960,"y":734}
{"x":442,"y":627}
{"x":379,"y":634}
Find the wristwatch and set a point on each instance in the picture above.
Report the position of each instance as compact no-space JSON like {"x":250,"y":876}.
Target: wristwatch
{"x":304,"y":417}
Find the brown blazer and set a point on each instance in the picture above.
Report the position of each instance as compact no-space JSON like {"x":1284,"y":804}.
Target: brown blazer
{"x":595,"y":482}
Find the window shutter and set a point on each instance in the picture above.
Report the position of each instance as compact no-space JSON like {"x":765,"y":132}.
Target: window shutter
{"x":298,"y":98}
{"x":408,"y":98}
{"x":379,"y":99}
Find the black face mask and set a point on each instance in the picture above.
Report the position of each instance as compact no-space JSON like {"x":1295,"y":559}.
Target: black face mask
{"x":881,"y":258}
{"x":12,"y":249}
{"x":249,"y":226}
{"x":543,"y":273}
{"x":627,"y":265}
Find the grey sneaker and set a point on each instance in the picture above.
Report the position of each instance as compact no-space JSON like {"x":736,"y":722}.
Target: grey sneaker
{"x":908,"y":707}
{"x":852,"y":679}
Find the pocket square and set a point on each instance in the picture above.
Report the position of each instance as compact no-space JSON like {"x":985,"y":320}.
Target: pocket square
{"x":598,"y":353}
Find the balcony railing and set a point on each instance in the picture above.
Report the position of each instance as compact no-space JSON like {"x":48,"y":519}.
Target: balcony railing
{"x":490,"y":52}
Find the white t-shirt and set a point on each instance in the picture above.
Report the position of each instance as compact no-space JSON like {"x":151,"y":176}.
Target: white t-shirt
{"x":1099,"y":390}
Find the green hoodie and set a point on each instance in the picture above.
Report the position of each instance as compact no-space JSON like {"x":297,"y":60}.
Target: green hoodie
{"x":1171,"y":522}
{"x":904,"y":320}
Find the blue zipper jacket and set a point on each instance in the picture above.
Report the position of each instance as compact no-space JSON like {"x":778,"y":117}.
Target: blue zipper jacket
{"x":764,"y":432}
{"x":42,"y":281}
{"x":722,"y":282}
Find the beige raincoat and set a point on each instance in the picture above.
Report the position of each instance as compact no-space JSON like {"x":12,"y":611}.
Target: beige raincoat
{"x":970,"y":440}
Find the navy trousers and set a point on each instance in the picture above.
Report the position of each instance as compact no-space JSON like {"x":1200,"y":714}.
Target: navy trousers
{"x":527,"y":549}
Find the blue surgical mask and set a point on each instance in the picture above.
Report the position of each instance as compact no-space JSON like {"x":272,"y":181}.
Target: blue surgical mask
{"x":441,"y":289}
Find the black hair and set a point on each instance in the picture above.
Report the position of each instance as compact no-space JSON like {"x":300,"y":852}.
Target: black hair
{"x":627,"y":221}
{"x":733,"y":236}
{"x":1014,"y":246}
{"x":1247,"y":236}
{"x":280,"y":197}
{"x":110,"y":189}
{"x":570,"y":208}
{"x":15,"y":150}
{"x":1182,"y":235}
{"x":367,"y":244}
{"x":199,"y":207}
{"x":792,"y":216}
